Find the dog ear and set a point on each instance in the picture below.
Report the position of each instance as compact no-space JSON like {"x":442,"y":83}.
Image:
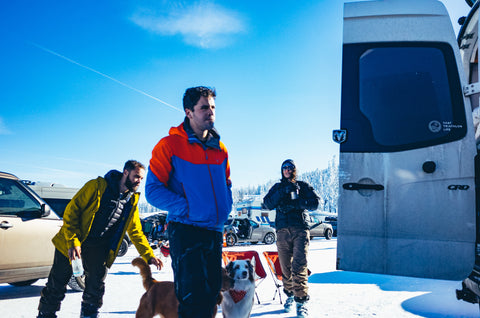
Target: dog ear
{"x":227,"y":281}
{"x":251,"y":268}
{"x":252,"y":261}
{"x":229,"y":267}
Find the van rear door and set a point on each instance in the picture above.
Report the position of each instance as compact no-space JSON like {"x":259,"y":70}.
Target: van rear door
{"x":407,"y":192}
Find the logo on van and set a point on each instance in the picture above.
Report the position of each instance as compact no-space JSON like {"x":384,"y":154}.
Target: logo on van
{"x":339,"y":136}
{"x":458,"y":187}
{"x":435,"y":126}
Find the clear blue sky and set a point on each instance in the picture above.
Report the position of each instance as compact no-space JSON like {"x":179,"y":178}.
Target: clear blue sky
{"x":82,"y":83}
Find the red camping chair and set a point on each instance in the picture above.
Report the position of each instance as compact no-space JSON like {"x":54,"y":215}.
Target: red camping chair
{"x":276,"y":271}
{"x":260,"y":274}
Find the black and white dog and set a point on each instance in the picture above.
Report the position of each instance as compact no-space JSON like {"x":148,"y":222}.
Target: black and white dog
{"x":238,"y":300}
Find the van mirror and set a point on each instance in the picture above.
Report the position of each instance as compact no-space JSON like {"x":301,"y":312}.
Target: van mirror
{"x":45,"y":210}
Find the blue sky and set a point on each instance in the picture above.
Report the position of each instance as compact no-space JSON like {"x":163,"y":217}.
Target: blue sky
{"x":87,"y":85}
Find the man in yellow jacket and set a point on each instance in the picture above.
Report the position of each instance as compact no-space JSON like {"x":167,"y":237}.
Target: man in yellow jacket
{"x":94,"y":224}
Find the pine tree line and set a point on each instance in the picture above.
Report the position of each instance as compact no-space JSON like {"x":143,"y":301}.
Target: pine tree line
{"x":324,"y":181}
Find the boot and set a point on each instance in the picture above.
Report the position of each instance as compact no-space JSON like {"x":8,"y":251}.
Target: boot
{"x":83,"y":314}
{"x":288,"y":304}
{"x":89,"y":311}
{"x":302,"y":311}
{"x":45,"y":314}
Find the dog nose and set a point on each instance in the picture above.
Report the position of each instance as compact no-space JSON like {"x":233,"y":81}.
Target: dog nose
{"x":244,"y":274}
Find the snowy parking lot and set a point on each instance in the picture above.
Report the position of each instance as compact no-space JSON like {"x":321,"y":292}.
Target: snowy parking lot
{"x":333,"y":293}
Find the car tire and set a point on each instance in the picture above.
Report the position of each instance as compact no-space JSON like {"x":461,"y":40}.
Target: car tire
{"x":123,"y":248}
{"x":328,"y":234}
{"x":24,"y":283}
{"x":230,"y":239}
{"x":269,"y":238}
{"x":77,"y":283}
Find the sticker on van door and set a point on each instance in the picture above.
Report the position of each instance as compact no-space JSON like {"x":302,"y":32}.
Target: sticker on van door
{"x":435,"y":126}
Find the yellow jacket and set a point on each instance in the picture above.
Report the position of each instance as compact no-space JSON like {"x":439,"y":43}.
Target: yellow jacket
{"x":78,"y":220}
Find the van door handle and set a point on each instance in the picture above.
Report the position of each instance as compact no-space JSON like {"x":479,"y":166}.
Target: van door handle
{"x":5,"y":225}
{"x":362,"y":186}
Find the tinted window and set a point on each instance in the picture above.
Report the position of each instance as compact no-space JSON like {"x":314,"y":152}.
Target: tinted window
{"x":400,"y":96}
{"x":58,"y":205}
{"x":14,"y":198}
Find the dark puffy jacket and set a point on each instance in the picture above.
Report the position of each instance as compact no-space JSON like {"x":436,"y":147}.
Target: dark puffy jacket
{"x":291,"y":213}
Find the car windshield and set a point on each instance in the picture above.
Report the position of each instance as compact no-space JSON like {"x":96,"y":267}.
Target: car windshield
{"x":14,"y":198}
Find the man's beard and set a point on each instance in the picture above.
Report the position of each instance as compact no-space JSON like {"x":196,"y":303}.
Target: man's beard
{"x":208,"y":125}
{"x":130,"y":185}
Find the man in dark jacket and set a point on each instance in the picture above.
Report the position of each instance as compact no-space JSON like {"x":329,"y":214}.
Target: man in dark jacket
{"x":291,"y":199}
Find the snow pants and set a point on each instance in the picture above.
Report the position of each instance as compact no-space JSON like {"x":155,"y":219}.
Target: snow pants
{"x":94,"y":263}
{"x":196,"y":261}
{"x":292,"y":246}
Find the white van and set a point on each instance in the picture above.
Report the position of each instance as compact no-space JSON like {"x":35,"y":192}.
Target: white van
{"x":407,"y":141}
{"x":251,"y":208}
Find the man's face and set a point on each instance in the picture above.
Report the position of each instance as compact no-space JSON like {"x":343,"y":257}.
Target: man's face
{"x":203,"y":115}
{"x":134,"y":178}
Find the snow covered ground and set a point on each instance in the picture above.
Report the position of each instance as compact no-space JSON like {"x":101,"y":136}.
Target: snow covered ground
{"x":333,"y":293}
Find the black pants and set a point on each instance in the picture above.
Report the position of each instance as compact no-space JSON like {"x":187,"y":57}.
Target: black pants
{"x":196,"y":261}
{"x":94,"y":263}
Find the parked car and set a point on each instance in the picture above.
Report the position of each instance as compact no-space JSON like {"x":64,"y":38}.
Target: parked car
{"x":57,"y":197}
{"x":332,"y":220}
{"x":155,"y":227}
{"x":242,"y":230}
{"x":319,"y":228}
{"x":26,"y":229}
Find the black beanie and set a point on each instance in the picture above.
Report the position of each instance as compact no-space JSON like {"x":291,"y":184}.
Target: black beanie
{"x":290,"y":161}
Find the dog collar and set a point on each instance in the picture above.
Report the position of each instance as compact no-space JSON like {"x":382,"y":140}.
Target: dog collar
{"x":237,"y":295}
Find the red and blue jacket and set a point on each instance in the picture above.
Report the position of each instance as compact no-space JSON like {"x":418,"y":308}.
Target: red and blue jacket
{"x":190,"y":180}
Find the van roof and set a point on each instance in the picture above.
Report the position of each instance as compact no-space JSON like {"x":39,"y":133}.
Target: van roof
{"x":53,"y":190}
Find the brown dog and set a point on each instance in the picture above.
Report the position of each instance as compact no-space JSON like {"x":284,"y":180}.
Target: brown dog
{"x":160,"y":298}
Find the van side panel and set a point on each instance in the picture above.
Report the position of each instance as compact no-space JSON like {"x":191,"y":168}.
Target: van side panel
{"x":407,"y":191}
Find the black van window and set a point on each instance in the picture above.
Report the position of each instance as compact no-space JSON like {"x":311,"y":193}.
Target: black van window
{"x":58,"y":205}
{"x":400,"y":97}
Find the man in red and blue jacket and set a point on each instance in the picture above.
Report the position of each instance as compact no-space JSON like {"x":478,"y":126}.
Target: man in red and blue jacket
{"x":189,"y":176}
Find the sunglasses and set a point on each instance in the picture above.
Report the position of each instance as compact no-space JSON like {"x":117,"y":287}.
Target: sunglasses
{"x":288,"y":167}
